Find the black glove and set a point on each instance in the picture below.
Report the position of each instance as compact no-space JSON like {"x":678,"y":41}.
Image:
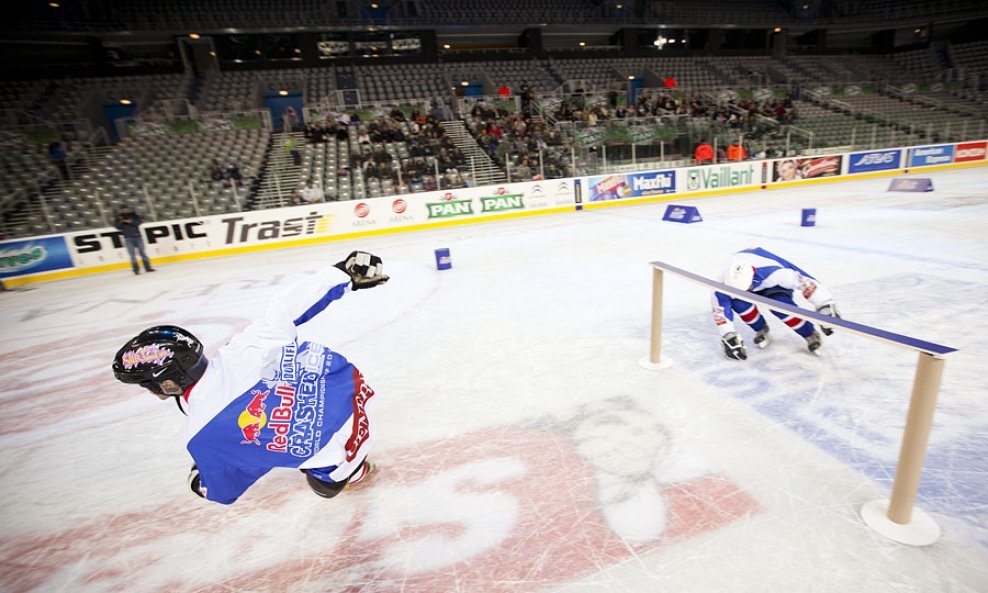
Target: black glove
{"x":195,"y":482}
{"x":828,"y":309}
{"x":364,"y":269}
{"x":734,"y":347}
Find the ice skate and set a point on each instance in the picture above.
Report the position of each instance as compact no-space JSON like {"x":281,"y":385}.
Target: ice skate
{"x":762,"y":338}
{"x":359,"y":478}
{"x":814,"y":341}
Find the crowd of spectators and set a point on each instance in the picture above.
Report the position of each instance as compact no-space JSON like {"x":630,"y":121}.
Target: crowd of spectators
{"x":736,"y":113}
{"x":426,"y":149}
{"x":516,"y":140}
{"x":527,"y":146}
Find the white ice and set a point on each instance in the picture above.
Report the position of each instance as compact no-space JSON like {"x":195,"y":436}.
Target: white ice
{"x":521,"y":447}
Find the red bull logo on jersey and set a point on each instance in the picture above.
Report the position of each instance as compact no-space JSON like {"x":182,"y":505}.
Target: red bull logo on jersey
{"x":150,"y":354}
{"x":281,"y":418}
{"x":253,"y":418}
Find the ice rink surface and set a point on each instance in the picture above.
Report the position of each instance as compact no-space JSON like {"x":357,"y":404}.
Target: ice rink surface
{"x":521,"y":447}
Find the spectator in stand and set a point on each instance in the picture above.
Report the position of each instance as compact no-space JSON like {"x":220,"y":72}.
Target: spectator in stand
{"x":234,"y":175}
{"x":57,"y":154}
{"x":292,"y":149}
{"x":312,"y":193}
{"x":704,"y":153}
{"x":736,"y":152}
{"x":522,"y":171}
{"x":289,"y":119}
{"x":437,"y":111}
{"x":216,"y":172}
{"x":128,"y":223}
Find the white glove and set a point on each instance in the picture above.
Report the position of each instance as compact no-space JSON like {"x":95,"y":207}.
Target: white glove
{"x":828,"y":309}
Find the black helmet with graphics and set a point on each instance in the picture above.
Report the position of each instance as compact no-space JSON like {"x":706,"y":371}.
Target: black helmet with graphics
{"x":159,"y":354}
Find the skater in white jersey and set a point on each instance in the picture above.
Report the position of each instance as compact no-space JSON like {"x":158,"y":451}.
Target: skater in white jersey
{"x":764,"y":273}
{"x":266,"y":399}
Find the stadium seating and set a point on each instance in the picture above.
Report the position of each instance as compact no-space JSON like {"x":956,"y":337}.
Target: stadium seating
{"x":932,"y":94}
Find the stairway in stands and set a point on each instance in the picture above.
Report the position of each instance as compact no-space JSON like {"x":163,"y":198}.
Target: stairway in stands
{"x":280,"y":176}
{"x":487,"y":171}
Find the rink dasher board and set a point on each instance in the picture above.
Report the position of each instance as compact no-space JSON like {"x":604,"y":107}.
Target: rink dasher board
{"x":59,"y":256}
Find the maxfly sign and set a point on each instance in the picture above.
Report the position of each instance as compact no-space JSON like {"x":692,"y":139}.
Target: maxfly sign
{"x":923,"y":156}
{"x":632,"y":185}
{"x":875,"y":160}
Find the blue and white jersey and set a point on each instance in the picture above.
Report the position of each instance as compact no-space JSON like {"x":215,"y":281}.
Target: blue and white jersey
{"x":773,"y":274}
{"x":267,"y":400}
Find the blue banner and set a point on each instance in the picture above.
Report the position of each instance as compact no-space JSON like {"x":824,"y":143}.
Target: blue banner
{"x":922,"y":156}
{"x":33,"y":255}
{"x":876,"y":160}
{"x":632,"y":185}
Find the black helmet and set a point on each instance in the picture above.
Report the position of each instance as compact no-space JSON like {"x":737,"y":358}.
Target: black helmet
{"x":158,"y":354}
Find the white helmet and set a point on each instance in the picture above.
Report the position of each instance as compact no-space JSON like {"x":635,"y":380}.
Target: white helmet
{"x":739,"y":276}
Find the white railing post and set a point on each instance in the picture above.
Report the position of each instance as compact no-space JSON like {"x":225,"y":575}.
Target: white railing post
{"x":195,"y":200}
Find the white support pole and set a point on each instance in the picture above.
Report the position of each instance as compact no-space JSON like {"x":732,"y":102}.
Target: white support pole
{"x":912,"y":455}
{"x":654,"y":360}
{"x":603,"y":148}
{"x":897,"y":518}
{"x":439,"y":180}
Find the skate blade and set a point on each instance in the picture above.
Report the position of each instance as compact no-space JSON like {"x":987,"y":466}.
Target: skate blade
{"x":371,"y":468}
